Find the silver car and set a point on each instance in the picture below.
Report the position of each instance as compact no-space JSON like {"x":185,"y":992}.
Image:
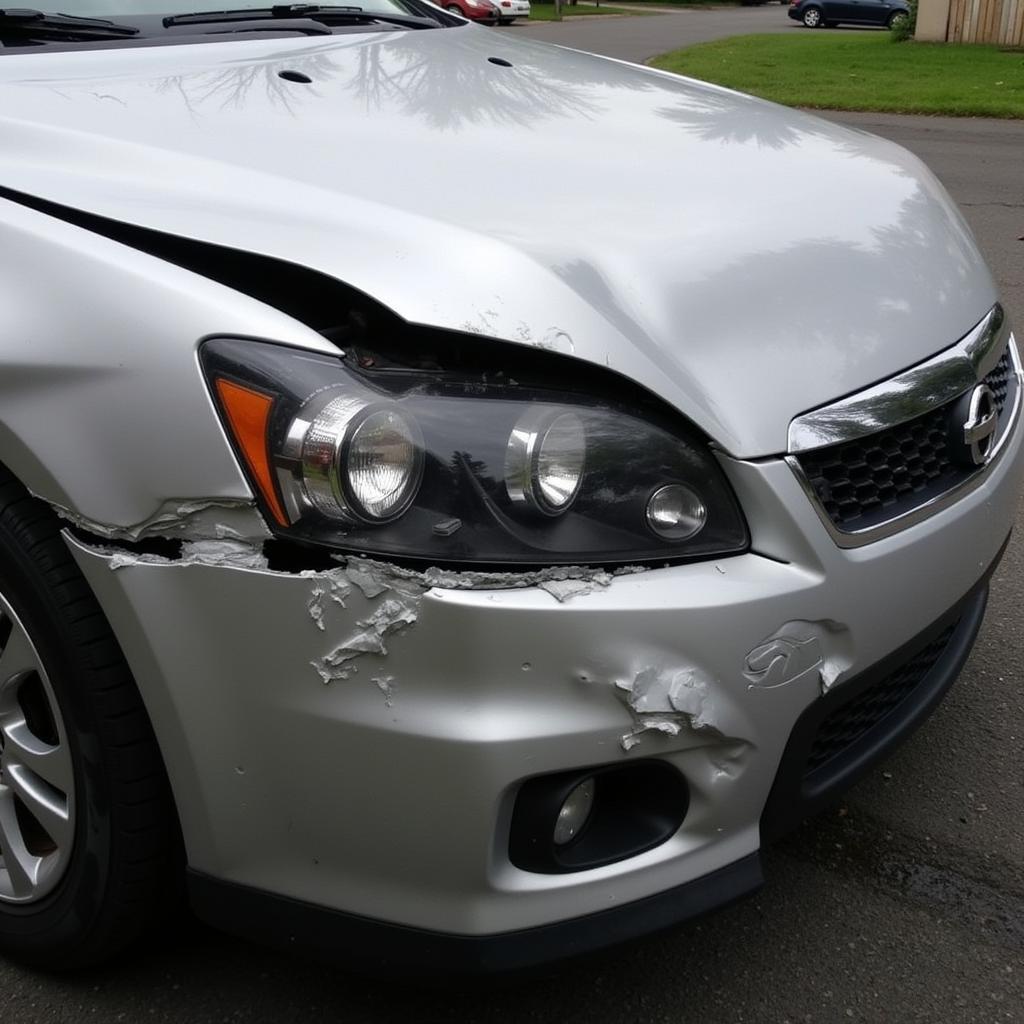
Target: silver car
{"x":460,"y":583}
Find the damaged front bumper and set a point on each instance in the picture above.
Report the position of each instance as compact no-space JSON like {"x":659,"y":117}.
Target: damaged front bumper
{"x":353,"y":741}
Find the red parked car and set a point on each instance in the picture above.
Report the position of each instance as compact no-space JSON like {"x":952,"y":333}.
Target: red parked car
{"x":475,"y":10}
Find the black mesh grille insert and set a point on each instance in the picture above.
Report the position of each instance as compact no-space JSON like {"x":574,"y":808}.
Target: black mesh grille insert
{"x":999,"y":379}
{"x":850,"y":722}
{"x":867,"y":481}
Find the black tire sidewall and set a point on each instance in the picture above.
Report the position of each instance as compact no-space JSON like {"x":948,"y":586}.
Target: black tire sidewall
{"x":56,"y":921}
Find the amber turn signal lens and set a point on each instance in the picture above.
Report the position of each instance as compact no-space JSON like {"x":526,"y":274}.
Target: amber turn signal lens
{"x":247,"y":414}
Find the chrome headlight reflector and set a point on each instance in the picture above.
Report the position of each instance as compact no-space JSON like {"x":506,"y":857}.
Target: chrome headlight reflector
{"x":361,"y":462}
{"x":544,"y":460}
{"x":450,"y":467}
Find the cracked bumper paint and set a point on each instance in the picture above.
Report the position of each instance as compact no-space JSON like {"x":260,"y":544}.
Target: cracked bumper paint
{"x":388,"y":793}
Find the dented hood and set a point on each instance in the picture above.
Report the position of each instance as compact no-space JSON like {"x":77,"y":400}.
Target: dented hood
{"x":744,"y":261}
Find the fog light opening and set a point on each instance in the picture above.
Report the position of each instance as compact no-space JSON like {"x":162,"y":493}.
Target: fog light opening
{"x":586,"y":817}
{"x":574,"y":812}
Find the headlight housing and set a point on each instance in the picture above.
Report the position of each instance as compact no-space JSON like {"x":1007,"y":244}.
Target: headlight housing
{"x":455,"y":468}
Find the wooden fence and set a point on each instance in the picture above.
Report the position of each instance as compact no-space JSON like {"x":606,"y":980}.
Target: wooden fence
{"x":986,"y":21}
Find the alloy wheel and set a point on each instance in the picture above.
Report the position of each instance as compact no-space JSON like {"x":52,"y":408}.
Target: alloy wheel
{"x":37,"y":779}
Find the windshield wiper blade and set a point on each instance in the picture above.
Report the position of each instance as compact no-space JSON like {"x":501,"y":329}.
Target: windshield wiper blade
{"x":297,"y":10}
{"x":27,"y":20}
{"x":328,"y":14}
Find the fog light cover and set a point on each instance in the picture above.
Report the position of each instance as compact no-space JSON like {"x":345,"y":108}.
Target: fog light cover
{"x":574,"y":812}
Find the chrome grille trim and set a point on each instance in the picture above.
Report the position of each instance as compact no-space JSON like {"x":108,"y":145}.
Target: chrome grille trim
{"x":981,"y":350}
{"x":907,"y":395}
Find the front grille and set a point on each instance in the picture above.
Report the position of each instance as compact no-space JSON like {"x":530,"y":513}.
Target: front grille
{"x":847,"y":724}
{"x":999,"y":379}
{"x":873,"y":479}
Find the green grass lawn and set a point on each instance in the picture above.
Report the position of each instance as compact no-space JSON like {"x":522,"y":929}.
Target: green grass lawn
{"x":546,"y":12}
{"x":687,"y":3}
{"x":845,"y":70}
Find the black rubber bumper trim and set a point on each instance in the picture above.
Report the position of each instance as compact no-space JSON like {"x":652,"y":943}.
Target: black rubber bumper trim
{"x":377,"y":945}
{"x":796,"y":795}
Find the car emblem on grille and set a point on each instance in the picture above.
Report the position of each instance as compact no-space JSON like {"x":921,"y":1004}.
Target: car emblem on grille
{"x":979,"y":425}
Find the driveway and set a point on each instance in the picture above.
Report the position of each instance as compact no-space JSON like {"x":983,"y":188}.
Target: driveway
{"x":904,"y":904}
{"x":640,"y":38}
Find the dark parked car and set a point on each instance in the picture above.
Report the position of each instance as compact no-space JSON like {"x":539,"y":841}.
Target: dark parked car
{"x":818,"y":13}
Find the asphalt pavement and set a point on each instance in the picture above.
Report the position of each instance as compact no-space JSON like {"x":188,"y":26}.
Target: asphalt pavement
{"x":642,"y":37}
{"x":906,"y":903}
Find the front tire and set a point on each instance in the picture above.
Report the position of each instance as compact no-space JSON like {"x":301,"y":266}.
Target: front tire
{"x":812,"y":17}
{"x":89,"y":848}
{"x":898,"y":18}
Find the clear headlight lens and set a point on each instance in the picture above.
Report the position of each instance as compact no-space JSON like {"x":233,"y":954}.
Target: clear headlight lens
{"x":439,"y":466}
{"x":383,"y":466}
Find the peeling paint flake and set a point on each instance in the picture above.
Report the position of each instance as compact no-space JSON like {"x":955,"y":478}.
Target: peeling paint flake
{"x":364,"y":576}
{"x":385,"y":685}
{"x":664,"y":725}
{"x":390,"y":616}
{"x":333,"y":673}
{"x":337,"y":591}
{"x":562,"y":582}
{"x":195,"y":518}
{"x":232,"y":553}
{"x":315,"y":607}
{"x":663,"y":700}
{"x":562,"y":590}
{"x":684,"y":691}
{"x":235,"y":553}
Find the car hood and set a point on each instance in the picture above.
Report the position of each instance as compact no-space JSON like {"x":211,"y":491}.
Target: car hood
{"x":744,"y":261}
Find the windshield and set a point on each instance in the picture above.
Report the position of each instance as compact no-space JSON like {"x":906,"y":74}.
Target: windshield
{"x":131,"y":8}
{"x":120,"y":23}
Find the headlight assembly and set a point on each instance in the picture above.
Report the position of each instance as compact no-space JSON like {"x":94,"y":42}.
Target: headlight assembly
{"x":452,"y":468}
